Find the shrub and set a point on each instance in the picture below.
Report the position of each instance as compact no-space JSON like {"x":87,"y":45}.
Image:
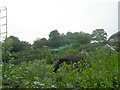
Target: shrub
{"x":100,"y":72}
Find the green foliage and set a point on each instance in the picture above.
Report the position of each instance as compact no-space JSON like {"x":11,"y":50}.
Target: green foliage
{"x":28,"y":68}
{"x":49,"y":57}
{"x":54,"y":38}
{"x":25,"y":46}
{"x":39,"y":43}
{"x":25,"y":56}
{"x":99,"y":35}
{"x":78,"y":37}
{"x":100,"y":71}
{"x":12,"y":45}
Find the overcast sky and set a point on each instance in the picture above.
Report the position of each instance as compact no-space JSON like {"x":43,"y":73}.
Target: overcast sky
{"x":32,"y":19}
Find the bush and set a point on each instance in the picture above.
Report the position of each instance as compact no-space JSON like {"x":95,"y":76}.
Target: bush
{"x":100,"y":72}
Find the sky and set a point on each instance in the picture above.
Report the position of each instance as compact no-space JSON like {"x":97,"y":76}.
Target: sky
{"x":32,"y":19}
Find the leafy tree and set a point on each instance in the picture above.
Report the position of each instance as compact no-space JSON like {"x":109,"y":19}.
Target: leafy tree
{"x":54,"y":38}
{"x":13,"y":44}
{"x":99,"y":36}
{"x":64,"y":39}
{"x":79,"y":37}
{"x":70,"y":38}
{"x":54,"y":34}
{"x":26,"y":45}
{"x":10,"y":45}
{"x":84,"y":38}
{"x":39,"y":43}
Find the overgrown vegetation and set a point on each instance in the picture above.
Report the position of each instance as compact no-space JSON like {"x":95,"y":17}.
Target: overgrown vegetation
{"x":32,"y":67}
{"x":100,"y":72}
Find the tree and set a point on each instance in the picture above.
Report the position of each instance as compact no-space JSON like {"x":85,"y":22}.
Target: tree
{"x":55,"y":38}
{"x":63,"y":39}
{"x":54,"y":35}
{"x":69,"y":36}
{"x":10,"y":45}
{"x":39,"y":43}
{"x":25,"y":45}
{"x":13,"y":44}
{"x":84,"y":38}
{"x":99,"y":36}
{"x":79,"y":37}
